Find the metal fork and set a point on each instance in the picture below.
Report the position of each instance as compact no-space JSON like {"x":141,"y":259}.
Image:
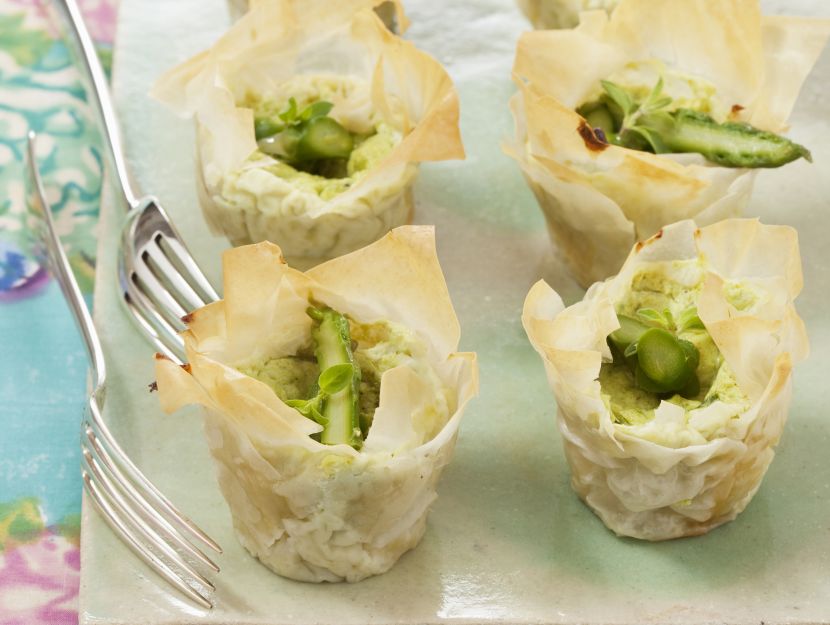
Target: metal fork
{"x":132,"y":506}
{"x":159,"y":279}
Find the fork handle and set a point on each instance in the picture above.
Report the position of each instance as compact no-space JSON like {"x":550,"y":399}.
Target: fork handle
{"x":78,"y":40}
{"x":59,"y":264}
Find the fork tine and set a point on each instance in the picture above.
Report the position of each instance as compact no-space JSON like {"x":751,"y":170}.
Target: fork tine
{"x":106,"y":486}
{"x":147,"y":556}
{"x":163,"y":343}
{"x":155,"y":290}
{"x":119,"y":457}
{"x":170,"y":322}
{"x":163,"y":527}
{"x":189,"y":269}
{"x":165,"y":271}
{"x":164,"y":335}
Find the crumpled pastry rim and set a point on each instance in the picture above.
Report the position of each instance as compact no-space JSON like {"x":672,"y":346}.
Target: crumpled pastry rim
{"x":572,"y":340}
{"x":251,"y":57}
{"x":760,"y":66}
{"x":397,"y":278}
{"x":612,"y":196}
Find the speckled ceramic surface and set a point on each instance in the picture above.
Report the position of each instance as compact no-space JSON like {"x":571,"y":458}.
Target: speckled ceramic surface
{"x":507,"y":540}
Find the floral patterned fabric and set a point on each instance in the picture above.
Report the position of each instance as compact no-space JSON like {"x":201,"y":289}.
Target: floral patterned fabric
{"x":39,"y":567}
{"x":43,"y":365}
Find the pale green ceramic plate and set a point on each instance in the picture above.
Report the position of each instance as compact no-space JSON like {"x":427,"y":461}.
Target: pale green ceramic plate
{"x":507,"y":540}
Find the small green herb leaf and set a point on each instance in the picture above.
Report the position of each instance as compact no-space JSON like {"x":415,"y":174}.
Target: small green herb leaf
{"x":668,"y":317}
{"x":651,"y":137}
{"x":620,"y":96}
{"x":320,"y":108}
{"x":289,"y":115}
{"x":689,"y":320}
{"x":309,"y":408}
{"x":640,"y":128}
{"x":661,"y":103}
{"x":336,"y":378}
{"x":304,"y":137}
{"x":653,"y":101}
{"x":653,"y":317}
{"x":657,"y":90}
{"x":630,"y":350}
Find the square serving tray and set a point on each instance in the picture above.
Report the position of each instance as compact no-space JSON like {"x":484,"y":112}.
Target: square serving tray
{"x":507,"y":541}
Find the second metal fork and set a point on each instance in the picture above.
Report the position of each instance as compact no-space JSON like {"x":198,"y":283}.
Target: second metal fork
{"x":144,"y":519}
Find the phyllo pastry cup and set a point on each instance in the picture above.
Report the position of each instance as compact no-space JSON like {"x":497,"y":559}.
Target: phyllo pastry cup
{"x":307,"y":510}
{"x":283,"y":58}
{"x":599,"y":198}
{"x":678,"y":467}
{"x":561,"y":13}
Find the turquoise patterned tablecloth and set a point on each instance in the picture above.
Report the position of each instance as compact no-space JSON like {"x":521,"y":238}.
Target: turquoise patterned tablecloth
{"x":43,"y":364}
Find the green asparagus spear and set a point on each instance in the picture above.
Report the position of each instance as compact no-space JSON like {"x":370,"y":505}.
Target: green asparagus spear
{"x":305,"y":138}
{"x":598,"y":115}
{"x":649,"y":125}
{"x":324,"y":138}
{"x":663,"y":359}
{"x":333,"y":347}
{"x":629,"y":332}
{"x":267,"y":127}
{"x":730,"y":144}
{"x":660,"y":361}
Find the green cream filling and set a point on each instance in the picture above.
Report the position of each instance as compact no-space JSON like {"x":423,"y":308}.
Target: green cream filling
{"x":674,"y":286}
{"x":290,"y":377}
{"x":379,"y":346}
{"x":370,"y":150}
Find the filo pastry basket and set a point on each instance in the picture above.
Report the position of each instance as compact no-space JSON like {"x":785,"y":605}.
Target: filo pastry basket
{"x":310,"y":511}
{"x":598,"y":199}
{"x":683,"y":472}
{"x":283,"y":49}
